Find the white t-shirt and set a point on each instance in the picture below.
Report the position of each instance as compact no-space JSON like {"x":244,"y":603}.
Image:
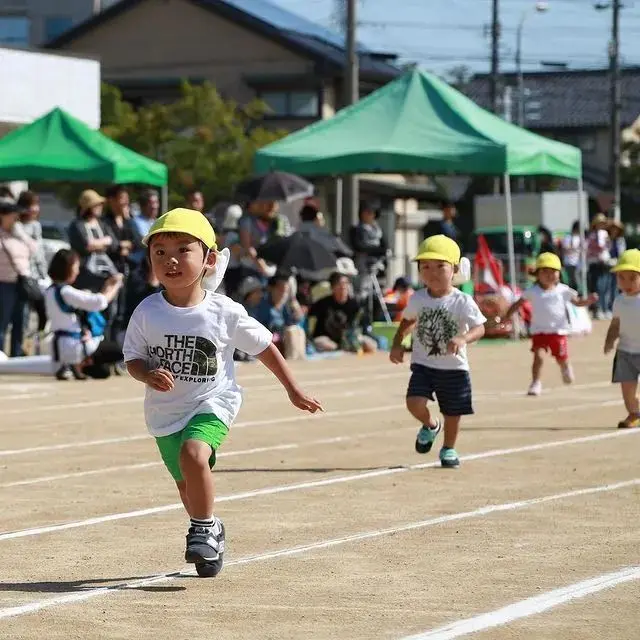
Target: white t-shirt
{"x":196,"y":345}
{"x":71,"y":350}
{"x":549,"y":313}
{"x":439,"y":320}
{"x":627,"y":309}
{"x":571,"y":246}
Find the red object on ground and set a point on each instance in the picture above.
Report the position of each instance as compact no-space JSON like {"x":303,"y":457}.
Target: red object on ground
{"x":555,"y":344}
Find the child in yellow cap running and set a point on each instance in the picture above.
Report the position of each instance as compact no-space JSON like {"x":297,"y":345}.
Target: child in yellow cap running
{"x":180,"y":344}
{"x":549,"y":320}
{"x":625,"y":327}
{"x":445,"y":321}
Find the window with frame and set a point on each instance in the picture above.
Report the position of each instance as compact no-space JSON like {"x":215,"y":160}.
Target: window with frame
{"x":292,"y":104}
{"x":55,"y":26}
{"x":15,"y":31}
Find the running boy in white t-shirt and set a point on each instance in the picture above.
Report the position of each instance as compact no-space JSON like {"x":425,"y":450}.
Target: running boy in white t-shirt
{"x":180,"y":344}
{"x":625,"y":327}
{"x":445,"y":321}
{"x":549,"y":318}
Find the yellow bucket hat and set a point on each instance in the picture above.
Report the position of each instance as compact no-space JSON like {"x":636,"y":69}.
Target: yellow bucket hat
{"x":548,"y":260}
{"x":628,"y":261}
{"x":439,"y":247}
{"x":186,"y":221}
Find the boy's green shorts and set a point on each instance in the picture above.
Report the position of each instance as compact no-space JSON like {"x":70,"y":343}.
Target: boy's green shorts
{"x":206,"y":427}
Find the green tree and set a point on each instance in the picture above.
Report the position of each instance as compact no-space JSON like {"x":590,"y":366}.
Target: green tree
{"x":206,"y":141}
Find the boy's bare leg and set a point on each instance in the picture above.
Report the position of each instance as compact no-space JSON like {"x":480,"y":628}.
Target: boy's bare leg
{"x":182,"y":490}
{"x":630,"y":397}
{"x":451,"y":428}
{"x":536,"y":367}
{"x":417,"y":407}
{"x":199,"y":490}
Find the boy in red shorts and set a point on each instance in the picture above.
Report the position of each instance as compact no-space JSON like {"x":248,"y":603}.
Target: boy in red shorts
{"x":549,"y":318}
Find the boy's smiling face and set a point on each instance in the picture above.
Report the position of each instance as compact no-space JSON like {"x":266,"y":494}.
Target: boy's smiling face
{"x":629,"y":282}
{"x":436,"y":275}
{"x":178,"y":259}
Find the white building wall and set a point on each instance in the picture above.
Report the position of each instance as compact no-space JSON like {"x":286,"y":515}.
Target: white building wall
{"x":34,"y":83}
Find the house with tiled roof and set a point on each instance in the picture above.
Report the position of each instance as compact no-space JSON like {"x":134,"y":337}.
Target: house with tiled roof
{"x":247,"y":48}
{"x":572,"y":106}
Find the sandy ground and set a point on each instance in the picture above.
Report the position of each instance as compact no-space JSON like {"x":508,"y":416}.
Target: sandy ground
{"x":336,"y":528}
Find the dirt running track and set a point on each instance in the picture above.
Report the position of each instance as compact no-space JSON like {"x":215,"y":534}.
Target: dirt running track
{"x":336,"y":528}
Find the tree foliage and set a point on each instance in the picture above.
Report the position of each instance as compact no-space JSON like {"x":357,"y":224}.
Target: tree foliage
{"x":206,"y":141}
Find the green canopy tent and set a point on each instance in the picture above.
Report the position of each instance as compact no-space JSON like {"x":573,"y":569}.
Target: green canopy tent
{"x":58,"y":146}
{"x":420,"y":124}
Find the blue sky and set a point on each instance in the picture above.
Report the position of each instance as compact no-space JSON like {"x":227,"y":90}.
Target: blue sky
{"x":440,"y":34}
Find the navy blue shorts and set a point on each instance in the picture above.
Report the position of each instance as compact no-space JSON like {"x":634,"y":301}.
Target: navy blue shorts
{"x":451,"y":387}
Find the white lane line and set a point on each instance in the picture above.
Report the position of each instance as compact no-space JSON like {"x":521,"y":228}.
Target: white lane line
{"x":296,"y":418}
{"x":38,"y":605}
{"x":139,"y":399}
{"x":530,"y":606}
{"x":223,"y":454}
{"x":144,"y":465}
{"x":312,"y":484}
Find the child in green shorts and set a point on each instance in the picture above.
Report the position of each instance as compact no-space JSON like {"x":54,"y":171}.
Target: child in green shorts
{"x":180,"y":344}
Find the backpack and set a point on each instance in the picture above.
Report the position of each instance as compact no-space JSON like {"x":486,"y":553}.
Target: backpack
{"x":94,"y":321}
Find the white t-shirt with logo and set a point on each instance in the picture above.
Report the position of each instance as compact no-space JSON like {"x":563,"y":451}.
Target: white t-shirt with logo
{"x":196,"y":345}
{"x":627,"y":309}
{"x":439,"y":320}
{"x":549,"y":312}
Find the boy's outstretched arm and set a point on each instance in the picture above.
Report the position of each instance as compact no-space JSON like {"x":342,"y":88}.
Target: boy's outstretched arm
{"x":613,"y":333}
{"x":579,"y":301}
{"x":397,"y":350}
{"x":273,"y":360}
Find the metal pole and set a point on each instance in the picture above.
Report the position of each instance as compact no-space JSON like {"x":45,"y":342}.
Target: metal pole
{"x":164,"y":199}
{"x":510,"y":246}
{"x":352,"y":94}
{"x":582,"y":220}
{"x":495,"y":53}
{"x":519,"y":74}
{"x":338,"y":218}
{"x":507,"y":105}
{"x":614,"y":53}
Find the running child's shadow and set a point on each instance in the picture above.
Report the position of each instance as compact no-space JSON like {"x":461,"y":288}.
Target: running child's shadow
{"x":73,"y":586}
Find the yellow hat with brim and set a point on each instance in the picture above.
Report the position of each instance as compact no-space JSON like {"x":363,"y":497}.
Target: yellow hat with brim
{"x":548,"y":261}
{"x":439,"y":247}
{"x":89,"y":198}
{"x":628,"y":261}
{"x":187,"y":221}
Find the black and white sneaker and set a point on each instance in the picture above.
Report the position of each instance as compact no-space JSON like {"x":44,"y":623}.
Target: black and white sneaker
{"x":205,"y":548}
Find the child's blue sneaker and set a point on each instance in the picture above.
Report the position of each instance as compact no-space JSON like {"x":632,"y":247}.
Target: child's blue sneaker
{"x":449,"y":458}
{"x":427,"y":435}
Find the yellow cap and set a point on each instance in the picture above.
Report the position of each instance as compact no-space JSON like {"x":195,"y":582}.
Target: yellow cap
{"x":186,"y":221}
{"x":548,"y":260}
{"x":439,"y":247}
{"x":628,"y":261}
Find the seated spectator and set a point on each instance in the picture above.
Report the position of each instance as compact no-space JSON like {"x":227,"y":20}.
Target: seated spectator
{"x":78,"y":344}
{"x":280,"y":312}
{"x":250,"y":292}
{"x":334,"y":320}
{"x":398,"y":297}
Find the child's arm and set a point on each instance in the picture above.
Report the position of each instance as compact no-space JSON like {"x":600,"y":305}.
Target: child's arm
{"x":158,"y":379}
{"x":273,"y":360}
{"x":579,"y":301}
{"x":475,"y":333}
{"x":513,"y":308}
{"x":397,"y":350}
{"x":613,"y":334}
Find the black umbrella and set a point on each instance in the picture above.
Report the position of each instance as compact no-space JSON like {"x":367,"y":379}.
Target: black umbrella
{"x":300,"y":254}
{"x":277,"y":185}
{"x":331,"y":243}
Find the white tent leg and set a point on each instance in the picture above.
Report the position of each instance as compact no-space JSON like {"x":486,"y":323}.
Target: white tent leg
{"x":510,"y":246}
{"x":338,"y":219}
{"x":164,"y":199}
{"x":582,"y":220}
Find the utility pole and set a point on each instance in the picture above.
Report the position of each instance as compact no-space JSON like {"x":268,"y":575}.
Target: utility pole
{"x":614,"y":55}
{"x":352,"y":95}
{"x":495,"y":53}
